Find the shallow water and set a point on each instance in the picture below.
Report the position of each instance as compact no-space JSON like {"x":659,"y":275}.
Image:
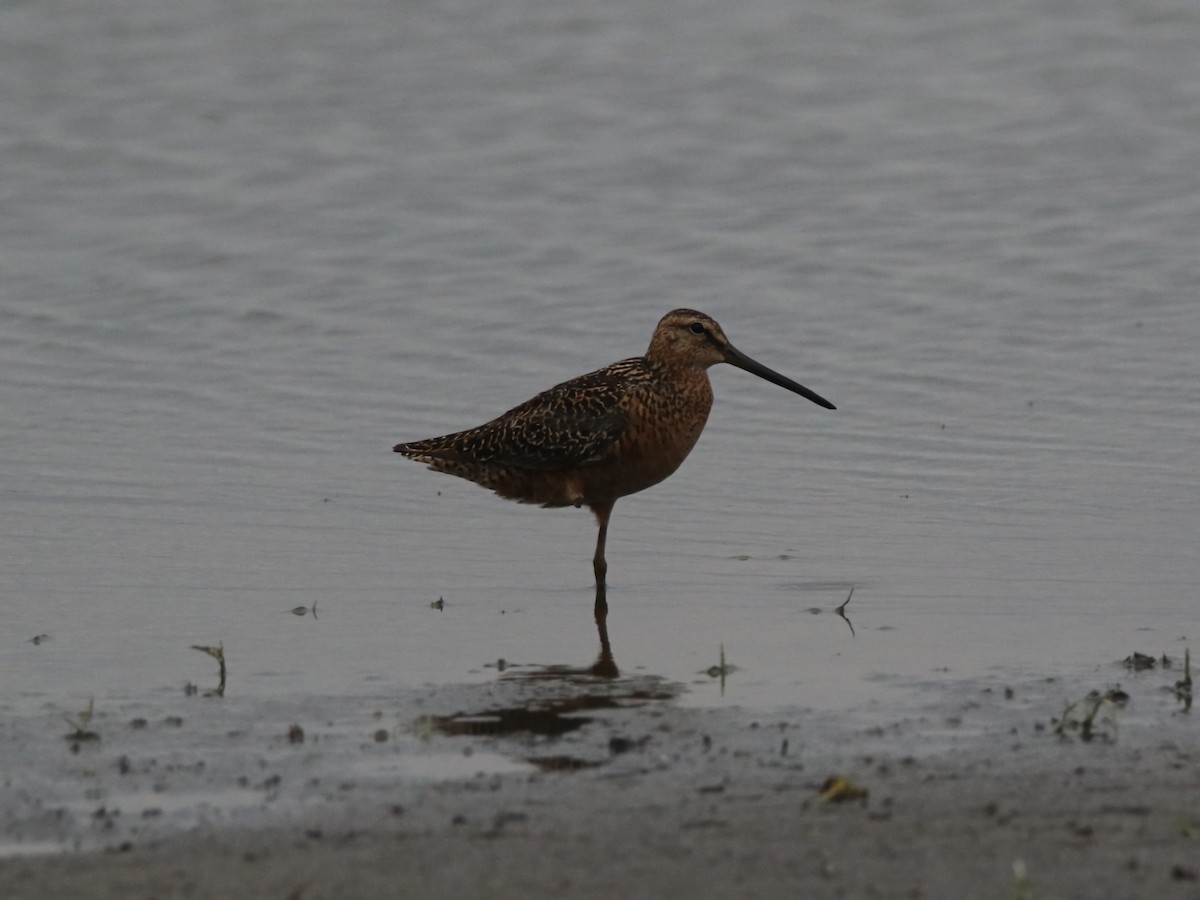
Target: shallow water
{"x":247,"y":250}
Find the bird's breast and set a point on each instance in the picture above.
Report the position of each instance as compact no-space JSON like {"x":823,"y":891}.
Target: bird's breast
{"x":664,"y":422}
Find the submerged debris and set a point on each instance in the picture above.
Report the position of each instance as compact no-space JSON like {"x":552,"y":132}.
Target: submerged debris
{"x":1183,"y":687}
{"x":217,"y":653}
{"x":1095,"y":716}
{"x":1140,"y":662}
{"x":562,"y":763}
{"x":838,"y":789}
{"x":721,"y":670}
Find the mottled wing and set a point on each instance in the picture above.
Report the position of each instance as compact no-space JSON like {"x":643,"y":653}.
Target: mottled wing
{"x":572,"y":424}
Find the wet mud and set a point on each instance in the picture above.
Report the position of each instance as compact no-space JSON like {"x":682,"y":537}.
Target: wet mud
{"x":554,"y":779}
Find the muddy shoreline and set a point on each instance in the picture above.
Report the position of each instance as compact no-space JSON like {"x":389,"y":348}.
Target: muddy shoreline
{"x":970,"y":795}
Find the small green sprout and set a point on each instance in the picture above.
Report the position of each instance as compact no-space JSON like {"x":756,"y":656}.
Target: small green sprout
{"x":81,"y":722}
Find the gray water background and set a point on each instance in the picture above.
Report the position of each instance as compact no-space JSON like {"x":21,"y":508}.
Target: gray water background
{"x":245,"y":248}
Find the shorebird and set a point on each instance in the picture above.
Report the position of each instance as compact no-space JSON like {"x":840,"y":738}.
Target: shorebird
{"x":604,"y":435}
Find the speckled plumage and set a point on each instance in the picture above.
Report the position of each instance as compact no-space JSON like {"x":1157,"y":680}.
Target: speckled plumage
{"x":581,"y":442}
{"x":603,"y":435}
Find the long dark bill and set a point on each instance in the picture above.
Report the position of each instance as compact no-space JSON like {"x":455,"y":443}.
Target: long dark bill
{"x":737,"y":358}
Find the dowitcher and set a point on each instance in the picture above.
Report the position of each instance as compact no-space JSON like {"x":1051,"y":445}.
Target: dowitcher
{"x":602,"y":436}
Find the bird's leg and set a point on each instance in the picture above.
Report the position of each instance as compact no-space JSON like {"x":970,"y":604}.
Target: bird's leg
{"x":601,"y":607}
{"x":602,"y":511}
{"x":599,"y":565}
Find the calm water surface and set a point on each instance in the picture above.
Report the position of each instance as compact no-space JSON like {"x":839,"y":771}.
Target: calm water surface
{"x":245,"y":249}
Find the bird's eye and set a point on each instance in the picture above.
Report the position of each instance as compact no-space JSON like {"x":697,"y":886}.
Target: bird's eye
{"x":696,"y":328}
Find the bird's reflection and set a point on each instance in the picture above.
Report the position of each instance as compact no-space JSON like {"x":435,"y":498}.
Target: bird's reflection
{"x":562,"y":699}
{"x":605,"y":666}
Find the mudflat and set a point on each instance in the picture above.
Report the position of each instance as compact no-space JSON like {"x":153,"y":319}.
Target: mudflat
{"x":614,"y":790}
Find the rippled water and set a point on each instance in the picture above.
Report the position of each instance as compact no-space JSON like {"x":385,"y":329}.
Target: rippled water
{"x":245,"y":249}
